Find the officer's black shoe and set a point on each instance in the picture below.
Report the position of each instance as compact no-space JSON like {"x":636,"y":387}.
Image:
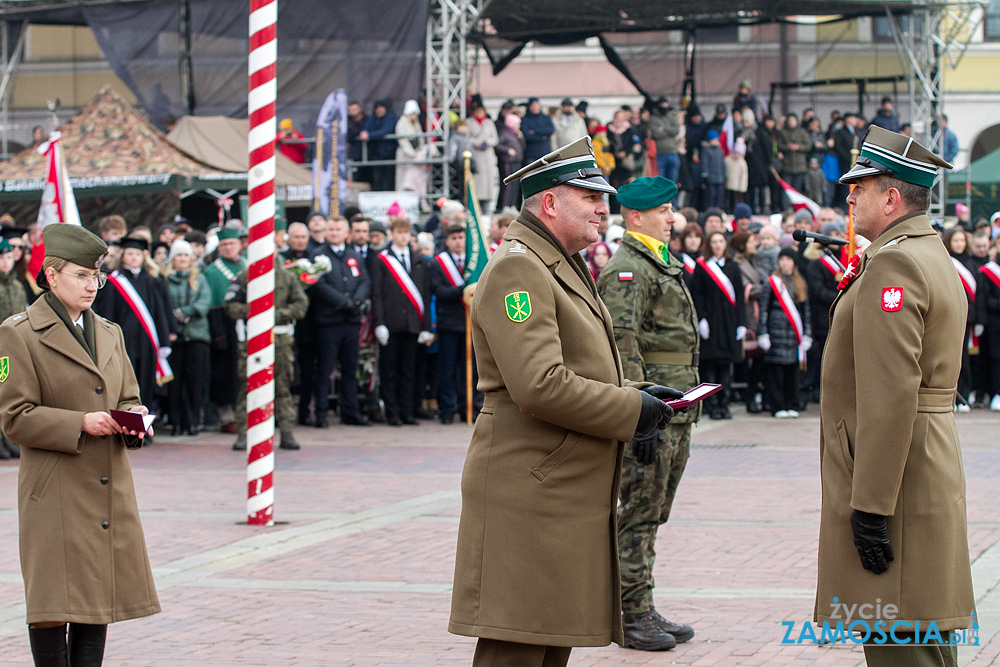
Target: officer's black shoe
{"x":304,"y":419}
{"x":447,"y":419}
{"x":644,"y":634}
{"x":423,"y":414}
{"x":355,"y":420}
{"x":241,"y":444}
{"x":716,"y":413}
{"x":681,"y":632}
{"x":410,"y":421}
{"x":321,"y":421}
{"x":192,"y":430}
{"x":724,"y":413}
{"x":288,"y":441}
{"x":394,"y":421}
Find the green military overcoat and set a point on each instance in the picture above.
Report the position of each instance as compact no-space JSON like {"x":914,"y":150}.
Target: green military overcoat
{"x":537,"y":558}
{"x":888,"y":443}
{"x":83,"y":555}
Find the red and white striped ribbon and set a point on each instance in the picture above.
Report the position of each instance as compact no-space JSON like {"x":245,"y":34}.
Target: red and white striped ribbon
{"x":260,"y":282}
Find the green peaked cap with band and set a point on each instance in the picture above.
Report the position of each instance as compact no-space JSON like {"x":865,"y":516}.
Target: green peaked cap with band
{"x":573,"y":164}
{"x":885,"y":152}
{"x":74,"y":244}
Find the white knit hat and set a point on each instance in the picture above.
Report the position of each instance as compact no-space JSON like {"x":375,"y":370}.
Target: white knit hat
{"x":180,"y":247}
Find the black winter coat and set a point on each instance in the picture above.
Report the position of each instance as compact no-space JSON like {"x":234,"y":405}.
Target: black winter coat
{"x":822,"y":292}
{"x":774,"y":323}
{"x":722,"y":316}
{"x":450,"y":309}
{"x":337,"y":296}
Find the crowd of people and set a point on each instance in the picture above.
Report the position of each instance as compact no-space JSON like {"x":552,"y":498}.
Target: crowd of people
{"x":734,"y":155}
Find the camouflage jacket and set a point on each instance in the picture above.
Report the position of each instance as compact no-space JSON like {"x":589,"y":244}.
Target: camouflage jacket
{"x":12,"y":296}
{"x":290,"y":300}
{"x":655,"y":322}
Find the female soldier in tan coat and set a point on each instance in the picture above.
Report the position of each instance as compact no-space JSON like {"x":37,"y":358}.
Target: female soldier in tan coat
{"x":83,"y":556}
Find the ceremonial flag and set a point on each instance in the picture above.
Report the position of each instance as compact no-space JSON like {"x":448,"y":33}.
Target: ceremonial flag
{"x":727,"y":138}
{"x":797,"y":199}
{"x":477,"y":246}
{"x":330,"y":163}
{"x":58,"y":201}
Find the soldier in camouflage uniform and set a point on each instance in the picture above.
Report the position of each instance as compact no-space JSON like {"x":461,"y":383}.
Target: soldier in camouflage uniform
{"x":290,"y":304}
{"x":12,"y":301}
{"x":656,"y":330}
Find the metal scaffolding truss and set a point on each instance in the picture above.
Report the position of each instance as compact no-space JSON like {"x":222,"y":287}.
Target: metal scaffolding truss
{"x":447,"y":73}
{"x":927,"y":39}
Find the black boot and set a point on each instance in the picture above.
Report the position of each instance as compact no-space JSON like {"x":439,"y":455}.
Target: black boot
{"x":48,"y":646}
{"x":288,"y":441}
{"x":681,"y":632}
{"x":644,"y":634}
{"x":86,"y":644}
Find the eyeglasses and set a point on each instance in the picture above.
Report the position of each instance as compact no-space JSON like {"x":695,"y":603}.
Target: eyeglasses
{"x":84,"y":279}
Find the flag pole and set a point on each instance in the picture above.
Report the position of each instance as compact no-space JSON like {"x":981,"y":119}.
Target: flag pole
{"x":467,"y":157}
{"x":852,"y":244}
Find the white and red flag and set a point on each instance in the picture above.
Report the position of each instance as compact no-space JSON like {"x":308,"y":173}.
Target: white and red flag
{"x":797,"y":199}
{"x":727,"y":137}
{"x":58,"y":201}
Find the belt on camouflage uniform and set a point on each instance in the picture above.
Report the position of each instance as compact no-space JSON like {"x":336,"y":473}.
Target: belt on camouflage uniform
{"x":284,"y":330}
{"x":671,"y":358}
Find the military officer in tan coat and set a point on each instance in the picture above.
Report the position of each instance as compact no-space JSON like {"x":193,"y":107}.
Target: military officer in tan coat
{"x":893,"y":527}
{"x":536,"y":571}
{"x":62,"y":369}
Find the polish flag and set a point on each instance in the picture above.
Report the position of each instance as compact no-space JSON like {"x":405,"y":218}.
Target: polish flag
{"x":727,"y":138}
{"x":58,"y":201}
{"x":798,"y":200}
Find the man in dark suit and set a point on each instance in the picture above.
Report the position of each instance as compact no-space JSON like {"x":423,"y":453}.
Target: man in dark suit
{"x":447,"y":286}
{"x":317,"y":224}
{"x":401,"y":310}
{"x":339,"y":299}
{"x":359,"y":241}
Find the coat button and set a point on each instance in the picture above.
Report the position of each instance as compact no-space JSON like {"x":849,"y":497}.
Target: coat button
{"x":99,"y":389}
{"x":104,"y":480}
{"x":105,"y":525}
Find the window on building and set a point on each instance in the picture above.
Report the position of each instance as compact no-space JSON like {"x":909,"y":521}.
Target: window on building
{"x":991,"y":26}
{"x":882,"y":32}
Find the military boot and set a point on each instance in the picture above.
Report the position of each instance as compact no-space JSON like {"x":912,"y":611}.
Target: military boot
{"x":288,"y":441}
{"x":241,"y":444}
{"x":681,"y":632}
{"x":644,"y":634}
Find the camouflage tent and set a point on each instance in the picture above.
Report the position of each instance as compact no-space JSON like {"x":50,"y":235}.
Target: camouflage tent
{"x":111,"y":149}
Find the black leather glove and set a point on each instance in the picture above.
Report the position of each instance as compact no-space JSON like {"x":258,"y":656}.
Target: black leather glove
{"x":655,"y":414}
{"x":644,"y":447}
{"x":871,"y":538}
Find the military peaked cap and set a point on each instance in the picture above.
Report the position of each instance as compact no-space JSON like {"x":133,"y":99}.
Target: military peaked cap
{"x":885,"y":152}
{"x":74,"y":244}
{"x":573,"y":164}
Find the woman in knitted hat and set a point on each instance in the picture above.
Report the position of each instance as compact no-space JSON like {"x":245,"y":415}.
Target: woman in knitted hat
{"x":64,"y":369}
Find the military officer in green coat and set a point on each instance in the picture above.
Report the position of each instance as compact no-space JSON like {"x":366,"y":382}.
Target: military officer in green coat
{"x":290,"y":304}
{"x":219,"y":274}
{"x":656,"y":330}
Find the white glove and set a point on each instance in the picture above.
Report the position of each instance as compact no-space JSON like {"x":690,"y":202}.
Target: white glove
{"x":425,"y":338}
{"x":703,"y":328}
{"x":807,"y":342}
{"x":382,"y":335}
{"x":741,"y":333}
{"x":764,"y":341}
{"x":977,"y":330}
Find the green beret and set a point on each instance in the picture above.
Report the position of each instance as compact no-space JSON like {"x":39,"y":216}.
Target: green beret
{"x":4,"y":246}
{"x":227,"y":233}
{"x":646,"y":193}
{"x":74,"y":244}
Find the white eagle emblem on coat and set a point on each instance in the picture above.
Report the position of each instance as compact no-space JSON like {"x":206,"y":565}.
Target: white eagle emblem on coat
{"x":892,"y":298}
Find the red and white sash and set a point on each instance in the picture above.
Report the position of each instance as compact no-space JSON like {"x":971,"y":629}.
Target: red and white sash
{"x":720,"y":278}
{"x":451,"y":271}
{"x":404,"y":281}
{"x":791,"y":310}
{"x":127,"y":291}
{"x":992,"y":271}
{"x":968,"y":280}
{"x":831,"y":266}
{"x":689,"y":262}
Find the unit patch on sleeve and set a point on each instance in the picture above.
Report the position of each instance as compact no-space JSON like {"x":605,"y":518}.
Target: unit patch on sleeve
{"x":518,"y":306}
{"x":892,"y":299}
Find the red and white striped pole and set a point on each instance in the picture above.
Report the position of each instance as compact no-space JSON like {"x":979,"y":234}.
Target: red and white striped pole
{"x":260,"y":283}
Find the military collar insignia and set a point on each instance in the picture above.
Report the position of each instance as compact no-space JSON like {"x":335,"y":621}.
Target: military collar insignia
{"x":518,"y":248}
{"x":851,"y":273}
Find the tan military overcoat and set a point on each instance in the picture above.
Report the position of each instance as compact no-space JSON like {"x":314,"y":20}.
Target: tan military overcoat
{"x":83,"y":555}
{"x":888,"y":443}
{"x":537,"y":559}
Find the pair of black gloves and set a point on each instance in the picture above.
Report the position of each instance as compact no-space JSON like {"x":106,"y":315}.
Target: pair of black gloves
{"x":653,"y":417}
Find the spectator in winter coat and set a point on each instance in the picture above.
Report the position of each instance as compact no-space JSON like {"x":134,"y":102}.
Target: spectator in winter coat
{"x":380,"y":124}
{"x":713,"y":170}
{"x":483,"y":141}
{"x":569,"y":125}
{"x":538,"y":130}
{"x":664,"y":129}
{"x":886,"y":118}
{"x":795,"y":146}
{"x":737,"y":175}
